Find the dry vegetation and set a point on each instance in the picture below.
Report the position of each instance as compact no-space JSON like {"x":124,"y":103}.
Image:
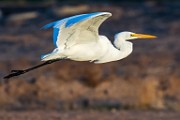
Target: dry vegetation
{"x":148,"y":79}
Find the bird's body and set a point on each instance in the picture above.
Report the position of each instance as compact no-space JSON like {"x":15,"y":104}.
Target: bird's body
{"x":87,"y":51}
{"x":98,"y":52}
{"x":77,"y":38}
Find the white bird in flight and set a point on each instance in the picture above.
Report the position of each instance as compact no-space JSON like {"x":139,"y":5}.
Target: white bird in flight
{"x":77,"y":38}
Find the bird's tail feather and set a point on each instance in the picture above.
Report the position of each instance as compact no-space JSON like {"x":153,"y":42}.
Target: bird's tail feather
{"x":51,"y":56}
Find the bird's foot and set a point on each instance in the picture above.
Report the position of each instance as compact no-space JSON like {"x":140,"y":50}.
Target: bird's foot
{"x":14,"y":73}
{"x":17,"y":71}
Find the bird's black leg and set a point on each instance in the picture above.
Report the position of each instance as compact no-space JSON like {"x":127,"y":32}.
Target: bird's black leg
{"x":19,"y":72}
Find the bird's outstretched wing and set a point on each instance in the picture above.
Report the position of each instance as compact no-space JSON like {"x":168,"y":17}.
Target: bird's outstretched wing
{"x":77,"y":29}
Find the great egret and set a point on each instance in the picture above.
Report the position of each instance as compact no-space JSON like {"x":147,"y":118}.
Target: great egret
{"x":77,"y":38}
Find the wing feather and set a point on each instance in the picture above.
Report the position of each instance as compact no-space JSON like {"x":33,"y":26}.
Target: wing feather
{"x":78,"y":29}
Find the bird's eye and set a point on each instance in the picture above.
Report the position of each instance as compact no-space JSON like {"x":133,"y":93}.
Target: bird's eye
{"x":132,"y":35}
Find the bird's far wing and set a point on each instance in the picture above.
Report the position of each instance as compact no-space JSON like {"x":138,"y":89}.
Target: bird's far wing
{"x":77,"y":29}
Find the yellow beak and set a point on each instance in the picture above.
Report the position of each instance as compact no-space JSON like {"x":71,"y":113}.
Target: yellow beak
{"x":143,"y":36}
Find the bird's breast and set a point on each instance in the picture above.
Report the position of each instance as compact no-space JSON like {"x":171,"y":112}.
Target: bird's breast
{"x":84,"y":52}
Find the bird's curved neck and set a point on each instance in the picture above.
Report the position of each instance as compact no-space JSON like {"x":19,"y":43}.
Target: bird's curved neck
{"x":125,"y":47}
{"x":119,"y":50}
{"x":120,"y":43}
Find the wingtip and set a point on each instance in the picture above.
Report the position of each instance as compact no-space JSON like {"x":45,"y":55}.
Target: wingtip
{"x":106,"y":13}
{"x":48,"y":25}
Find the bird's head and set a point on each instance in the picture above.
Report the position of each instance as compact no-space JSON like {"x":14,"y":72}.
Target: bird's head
{"x":131,"y":36}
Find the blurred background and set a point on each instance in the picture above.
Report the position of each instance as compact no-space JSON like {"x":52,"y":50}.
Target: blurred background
{"x":145,"y":85}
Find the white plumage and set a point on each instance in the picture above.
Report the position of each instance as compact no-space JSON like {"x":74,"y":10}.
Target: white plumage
{"x":77,"y":38}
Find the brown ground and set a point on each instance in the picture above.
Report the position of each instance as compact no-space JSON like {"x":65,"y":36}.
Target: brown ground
{"x":90,"y":115}
{"x":147,"y":79}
